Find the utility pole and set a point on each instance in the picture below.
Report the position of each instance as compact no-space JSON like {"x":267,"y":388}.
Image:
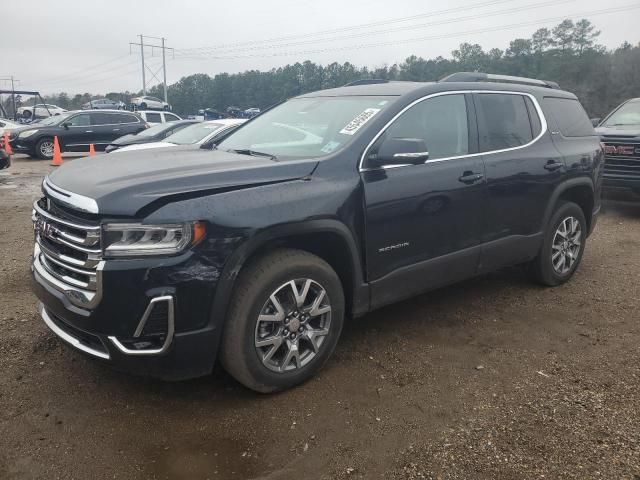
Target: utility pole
{"x":164,"y":72}
{"x":144,"y":83}
{"x":145,"y":67}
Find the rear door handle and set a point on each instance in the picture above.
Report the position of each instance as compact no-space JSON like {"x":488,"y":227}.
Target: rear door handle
{"x":116,"y":129}
{"x":88,"y":131}
{"x":469,"y":177}
{"x":552,"y":165}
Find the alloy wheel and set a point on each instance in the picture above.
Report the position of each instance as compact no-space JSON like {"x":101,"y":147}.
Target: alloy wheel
{"x":293,"y":325}
{"x":46,"y":148}
{"x":566,"y":245}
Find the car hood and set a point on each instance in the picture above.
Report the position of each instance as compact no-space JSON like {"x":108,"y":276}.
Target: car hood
{"x":131,"y":140}
{"x":125,"y":183}
{"x":145,"y":146}
{"x":622,"y":131}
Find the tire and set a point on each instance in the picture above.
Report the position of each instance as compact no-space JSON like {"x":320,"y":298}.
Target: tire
{"x":554,"y":248}
{"x":42,"y":148}
{"x":166,"y":108}
{"x":143,"y":106}
{"x":271,"y":277}
{"x":26,"y":114}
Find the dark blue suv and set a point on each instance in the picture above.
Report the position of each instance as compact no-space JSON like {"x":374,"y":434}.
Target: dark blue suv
{"x":253,"y":251}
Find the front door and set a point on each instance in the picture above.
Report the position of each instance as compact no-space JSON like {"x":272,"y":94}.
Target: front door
{"x":424,"y":222}
{"x":78,"y":132}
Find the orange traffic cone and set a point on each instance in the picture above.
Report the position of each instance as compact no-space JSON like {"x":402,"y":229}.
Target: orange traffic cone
{"x":57,"y":156}
{"x":92,"y":150}
{"x":7,"y":145}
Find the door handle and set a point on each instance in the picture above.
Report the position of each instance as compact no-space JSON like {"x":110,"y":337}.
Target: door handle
{"x":469,"y":177}
{"x":88,"y":131}
{"x":552,"y":165}
{"x":116,"y":129}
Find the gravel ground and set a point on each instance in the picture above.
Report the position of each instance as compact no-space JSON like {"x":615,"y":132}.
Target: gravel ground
{"x":494,"y":378}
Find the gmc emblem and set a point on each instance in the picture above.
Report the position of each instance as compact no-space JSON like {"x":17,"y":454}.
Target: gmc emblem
{"x":619,"y":150}
{"x":45,"y":229}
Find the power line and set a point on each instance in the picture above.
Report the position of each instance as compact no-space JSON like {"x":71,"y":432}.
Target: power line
{"x":91,"y":74}
{"x":416,"y":39}
{"x":402,"y":28}
{"x":81,"y":72}
{"x":349,"y":28}
{"x":162,"y":47}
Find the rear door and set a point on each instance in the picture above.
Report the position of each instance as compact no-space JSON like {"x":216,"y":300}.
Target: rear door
{"x":424,"y":222}
{"x":104,"y":126}
{"x":153,"y":118}
{"x":523,"y":167}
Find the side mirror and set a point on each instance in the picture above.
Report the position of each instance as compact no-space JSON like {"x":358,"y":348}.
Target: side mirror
{"x":595,"y":121}
{"x":65,"y":125}
{"x":400,"y":151}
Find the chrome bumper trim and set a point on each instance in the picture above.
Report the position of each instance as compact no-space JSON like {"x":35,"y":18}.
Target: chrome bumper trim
{"x":143,"y":321}
{"x":71,"y":340}
{"x":81,"y":298}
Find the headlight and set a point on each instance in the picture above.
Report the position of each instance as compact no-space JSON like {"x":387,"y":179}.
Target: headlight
{"x":26,"y":133}
{"x":136,"y":239}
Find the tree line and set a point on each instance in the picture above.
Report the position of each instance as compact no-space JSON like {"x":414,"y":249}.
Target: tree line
{"x":568,"y":54}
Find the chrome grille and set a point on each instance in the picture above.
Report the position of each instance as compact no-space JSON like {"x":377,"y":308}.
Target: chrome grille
{"x":69,"y":249}
{"x":622,"y":158}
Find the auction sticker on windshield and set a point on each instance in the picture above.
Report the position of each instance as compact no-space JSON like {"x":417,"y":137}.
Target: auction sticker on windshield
{"x":356,"y":124}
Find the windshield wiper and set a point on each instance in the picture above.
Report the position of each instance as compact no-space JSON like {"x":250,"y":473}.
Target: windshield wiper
{"x":253,"y":153}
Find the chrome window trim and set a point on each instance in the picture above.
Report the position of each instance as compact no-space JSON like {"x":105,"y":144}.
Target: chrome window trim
{"x":143,"y":321}
{"x":71,"y":340}
{"x":73,"y":200}
{"x":543,"y":130}
{"x":105,"y":124}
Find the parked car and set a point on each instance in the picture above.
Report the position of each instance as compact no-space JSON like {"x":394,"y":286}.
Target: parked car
{"x":149,"y":103}
{"x":155,"y":118}
{"x":75,"y":131}
{"x":40,"y":110}
{"x":620,"y":133}
{"x":5,"y":158}
{"x":253,"y":253}
{"x":194,"y":135}
{"x":154,"y":134}
{"x":251,"y":112}
{"x":104,"y":103}
{"x":8,"y":125}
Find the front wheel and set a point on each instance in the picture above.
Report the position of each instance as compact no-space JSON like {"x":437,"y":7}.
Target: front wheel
{"x":44,"y":149}
{"x":143,"y":106}
{"x":563,"y":245}
{"x":284,"y":321}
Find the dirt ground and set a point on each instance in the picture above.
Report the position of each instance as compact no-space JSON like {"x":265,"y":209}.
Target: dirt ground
{"x":494,"y":378}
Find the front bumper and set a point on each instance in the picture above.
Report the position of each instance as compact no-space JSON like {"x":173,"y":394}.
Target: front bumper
{"x":109,"y":324}
{"x":621,"y":184}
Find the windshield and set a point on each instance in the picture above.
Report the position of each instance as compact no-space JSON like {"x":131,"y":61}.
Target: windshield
{"x":193,"y":134}
{"x":156,"y":129}
{"x":306,"y":127}
{"x":627,"y":114}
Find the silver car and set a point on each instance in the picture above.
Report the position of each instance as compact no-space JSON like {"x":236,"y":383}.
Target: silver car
{"x":147,"y":102}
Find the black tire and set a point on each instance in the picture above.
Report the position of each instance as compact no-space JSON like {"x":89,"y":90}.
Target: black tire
{"x":542,"y":266}
{"x":26,"y":114}
{"x":143,"y":106}
{"x":256,"y":283}
{"x":41,"y":152}
{"x":166,"y":108}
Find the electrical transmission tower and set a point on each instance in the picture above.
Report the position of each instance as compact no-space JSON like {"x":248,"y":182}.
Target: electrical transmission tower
{"x":162,"y":47}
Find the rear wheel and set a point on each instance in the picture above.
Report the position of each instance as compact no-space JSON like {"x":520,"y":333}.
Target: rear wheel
{"x":284,"y":321}
{"x":143,"y":106}
{"x":44,"y":148}
{"x":563,"y":245}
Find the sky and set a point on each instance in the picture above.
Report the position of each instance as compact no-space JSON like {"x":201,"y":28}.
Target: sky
{"x":78,"y":46}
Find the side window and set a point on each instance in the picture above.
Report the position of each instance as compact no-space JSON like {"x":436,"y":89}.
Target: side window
{"x":102,"y":119}
{"x":503,"y":121}
{"x":571,"y":118}
{"x":170,"y":117}
{"x":440,"y":121}
{"x":125,"y":118}
{"x":81,"y":120}
{"x":536,"y":124}
{"x":154,"y":117}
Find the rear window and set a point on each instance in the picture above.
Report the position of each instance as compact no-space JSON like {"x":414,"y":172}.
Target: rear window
{"x":570,"y":117}
{"x":170,"y":117}
{"x":503,"y":121}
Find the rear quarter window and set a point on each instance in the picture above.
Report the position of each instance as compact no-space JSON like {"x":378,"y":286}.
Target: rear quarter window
{"x":154,"y":117}
{"x":570,"y":117}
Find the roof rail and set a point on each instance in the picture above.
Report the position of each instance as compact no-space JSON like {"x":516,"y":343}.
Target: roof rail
{"x":492,"y":77}
{"x":366,"y":81}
